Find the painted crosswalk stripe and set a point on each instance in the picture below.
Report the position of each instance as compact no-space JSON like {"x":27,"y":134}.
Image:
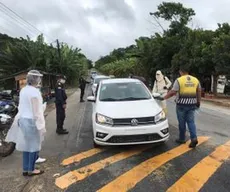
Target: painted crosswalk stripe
{"x":80,"y":174}
{"x":196,"y":177}
{"x":81,"y":156}
{"x":129,"y":179}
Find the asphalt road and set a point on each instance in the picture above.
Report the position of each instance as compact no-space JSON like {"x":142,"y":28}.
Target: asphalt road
{"x":73,"y":165}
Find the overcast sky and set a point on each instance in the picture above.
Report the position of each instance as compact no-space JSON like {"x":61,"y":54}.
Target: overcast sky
{"x":99,"y":26}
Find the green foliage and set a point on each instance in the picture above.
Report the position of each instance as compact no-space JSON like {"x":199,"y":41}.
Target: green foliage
{"x":119,"y":68}
{"x":204,"y":52}
{"x":22,"y":54}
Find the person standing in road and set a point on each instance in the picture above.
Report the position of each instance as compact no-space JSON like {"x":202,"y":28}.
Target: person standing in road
{"x":29,"y":130}
{"x":188,"y":91}
{"x":61,"y":97}
{"x":82,"y":84}
{"x":161,"y":86}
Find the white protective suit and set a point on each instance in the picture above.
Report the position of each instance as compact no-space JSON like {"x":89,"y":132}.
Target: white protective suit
{"x":160,"y":84}
{"x":28,"y":128}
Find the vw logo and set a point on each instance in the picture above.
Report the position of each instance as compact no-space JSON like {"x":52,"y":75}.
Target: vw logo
{"x":134,"y":122}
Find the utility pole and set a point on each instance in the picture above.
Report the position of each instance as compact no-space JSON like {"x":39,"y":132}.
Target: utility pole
{"x":59,"y":55}
{"x":58,"y":47}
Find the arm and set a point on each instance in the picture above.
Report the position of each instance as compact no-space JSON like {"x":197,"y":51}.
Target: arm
{"x":64,"y":96}
{"x":199,"y":94}
{"x":170,"y":94}
{"x":174,"y":90}
{"x":169,"y":83}
{"x":38,"y":114}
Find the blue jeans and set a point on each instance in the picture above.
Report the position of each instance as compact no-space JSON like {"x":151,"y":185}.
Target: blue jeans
{"x":29,"y":161}
{"x":186,"y":115}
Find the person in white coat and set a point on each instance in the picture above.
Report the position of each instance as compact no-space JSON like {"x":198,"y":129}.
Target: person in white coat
{"x":161,"y":86}
{"x":29,"y":133}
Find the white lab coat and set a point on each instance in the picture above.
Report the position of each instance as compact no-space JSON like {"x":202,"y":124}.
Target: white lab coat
{"x":28,"y":128}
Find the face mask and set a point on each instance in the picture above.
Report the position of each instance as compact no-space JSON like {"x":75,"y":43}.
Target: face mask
{"x":39,"y":83}
{"x":62,"y":81}
{"x":158,"y":77}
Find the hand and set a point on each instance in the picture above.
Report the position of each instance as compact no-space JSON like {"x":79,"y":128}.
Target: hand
{"x":166,"y":88}
{"x":64,"y":106}
{"x":198,"y":105}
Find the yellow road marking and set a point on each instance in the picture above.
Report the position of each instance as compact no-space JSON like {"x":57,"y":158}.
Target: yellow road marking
{"x":80,"y":174}
{"x":197,"y":176}
{"x":80,"y":156}
{"x":129,"y":179}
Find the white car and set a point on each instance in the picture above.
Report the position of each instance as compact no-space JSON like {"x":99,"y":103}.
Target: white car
{"x":96,"y":81}
{"x":125,"y":113}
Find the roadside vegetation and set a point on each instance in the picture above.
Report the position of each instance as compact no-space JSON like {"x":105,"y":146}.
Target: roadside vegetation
{"x":205,"y":52}
{"x":18,"y":54}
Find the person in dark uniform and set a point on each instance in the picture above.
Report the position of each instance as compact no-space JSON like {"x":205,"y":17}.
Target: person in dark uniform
{"x":61,"y":97}
{"x":82,"y":84}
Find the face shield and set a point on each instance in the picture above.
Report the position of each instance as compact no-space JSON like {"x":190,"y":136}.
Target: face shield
{"x":34,"y":78}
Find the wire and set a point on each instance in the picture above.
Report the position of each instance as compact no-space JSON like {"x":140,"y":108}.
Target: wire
{"x":18,"y":22}
{"x":17,"y":15}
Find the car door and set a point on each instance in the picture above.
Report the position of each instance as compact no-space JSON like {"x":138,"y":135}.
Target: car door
{"x":95,"y":95}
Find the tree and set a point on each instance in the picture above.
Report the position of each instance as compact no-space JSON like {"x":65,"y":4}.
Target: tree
{"x":119,"y":68}
{"x":22,"y":54}
{"x":205,"y":52}
{"x":177,"y":15}
{"x":90,"y":63}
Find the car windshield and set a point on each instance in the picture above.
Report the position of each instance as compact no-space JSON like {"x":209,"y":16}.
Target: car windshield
{"x":131,"y":91}
{"x":97,"y":80}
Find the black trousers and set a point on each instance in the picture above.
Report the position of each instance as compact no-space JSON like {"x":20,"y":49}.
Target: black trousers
{"x":60,"y":116}
{"x":82,"y":94}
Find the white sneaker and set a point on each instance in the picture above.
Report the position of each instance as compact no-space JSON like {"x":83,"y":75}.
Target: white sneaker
{"x":40,"y":160}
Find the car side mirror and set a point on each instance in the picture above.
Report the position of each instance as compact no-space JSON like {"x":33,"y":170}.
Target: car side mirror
{"x":156,"y":95}
{"x":91,"y":99}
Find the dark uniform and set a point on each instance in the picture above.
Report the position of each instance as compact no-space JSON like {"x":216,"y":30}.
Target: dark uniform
{"x":61,"y":98}
{"x":82,"y":84}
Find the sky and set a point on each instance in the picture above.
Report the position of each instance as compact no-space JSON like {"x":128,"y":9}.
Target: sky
{"x":99,"y":26}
